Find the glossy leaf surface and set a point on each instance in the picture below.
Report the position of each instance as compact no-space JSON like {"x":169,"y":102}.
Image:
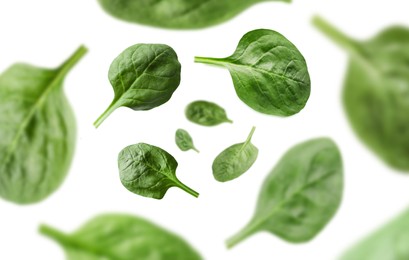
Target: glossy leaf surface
{"x":143,"y":77}
{"x":149,"y":171}
{"x":300,"y":195}
{"x":269,"y":74}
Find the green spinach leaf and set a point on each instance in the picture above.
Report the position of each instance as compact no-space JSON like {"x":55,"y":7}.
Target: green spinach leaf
{"x":235,"y":160}
{"x":38,"y":132}
{"x":376,"y":91}
{"x":149,"y":171}
{"x":184,"y":140}
{"x":206,"y":113}
{"x":388,"y":243}
{"x":144,"y":76}
{"x":121,"y":237}
{"x":269,"y":74}
{"x":300,"y":195}
{"x":177,"y":14}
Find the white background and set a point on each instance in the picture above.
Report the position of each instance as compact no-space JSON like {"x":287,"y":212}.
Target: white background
{"x":46,"y":32}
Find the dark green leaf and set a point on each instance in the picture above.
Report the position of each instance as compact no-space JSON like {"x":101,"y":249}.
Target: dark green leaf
{"x":184,"y":140}
{"x":121,"y":237}
{"x":388,"y":243}
{"x":206,"y":113}
{"x":300,"y":195}
{"x":376,"y":91}
{"x":235,"y":160}
{"x":177,"y":14}
{"x":38,"y":132}
{"x":269,"y":74}
{"x":144,"y":76}
{"x":149,"y":171}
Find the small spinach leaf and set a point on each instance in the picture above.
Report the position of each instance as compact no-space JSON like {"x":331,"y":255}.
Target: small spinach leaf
{"x":388,"y":243}
{"x":184,"y":140}
{"x":177,"y":14}
{"x":121,"y":237}
{"x":149,"y":171}
{"x":269,"y":74}
{"x":206,"y":113}
{"x":376,"y":91}
{"x":38,"y":131}
{"x":144,"y":76}
{"x":300,"y":195}
{"x":235,"y":160}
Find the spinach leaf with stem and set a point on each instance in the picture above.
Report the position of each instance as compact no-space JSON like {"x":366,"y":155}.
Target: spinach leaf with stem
{"x":184,"y":141}
{"x":38,"y":131}
{"x":269,"y":74}
{"x":376,"y":90}
{"x":178,"y":14}
{"x":390,"y":242}
{"x":235,"y":160}
{"x":144,"y":76}
{"x":149,"y":171}
{"x":300,"y":195}
{"x":121,"y":237}
{"x":206,"y":113}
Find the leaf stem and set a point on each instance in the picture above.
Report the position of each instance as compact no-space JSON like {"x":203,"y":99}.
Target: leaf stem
{"x":229,"y":121}
{"x":55,"y":234}
{"x":213,"y":61}
{"x":240,"y":236}
{"x":195,"y":149}
{"x":250,"y":135}
{"x":73,"y":60}
{"x":334,"y":34}
{"x":105,"y":114}
{"x":187,"y":189}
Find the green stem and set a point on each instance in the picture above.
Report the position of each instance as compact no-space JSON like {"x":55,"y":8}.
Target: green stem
{"x":240,"y":236}
{"x":73,"y":60}
{"x":195,"y":149}
{"x":55,"y":234}
{"x":187,"y":189}
{"x":229,"y":121}
{"x":336,"y":35}
{"x":250,"y":135}
{"x":106,"y":113}
{"x":212,"y":61}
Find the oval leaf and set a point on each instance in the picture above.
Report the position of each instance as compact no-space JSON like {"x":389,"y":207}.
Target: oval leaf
{"x":206,"y":113}
{"x":144,"y":76}
{"x":235,"y":160}
{"x":37,"y":131}
{"x":184,"y":140}
{"x":149,"y":171}
{"x":269,"y":74}
{"x":300,"y":195}
{"x":121,"y":237}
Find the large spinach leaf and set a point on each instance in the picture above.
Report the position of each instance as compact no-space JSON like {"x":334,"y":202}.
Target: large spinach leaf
{"x":235,"y":160}
{"x":300,"y":195}
{"x":121,"y":237}
{"x":206,"y":113}
{"x":149,"y":171}
{"x":37,"y":130}
{"x":269,"y":74}
{"x":376,"y":91}
{"x":177,"y":14}
{"x":388,"y":243}
{"x":144,"y":76}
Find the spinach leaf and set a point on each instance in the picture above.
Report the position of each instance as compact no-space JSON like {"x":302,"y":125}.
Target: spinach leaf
{"x":121,"y":237}
{"x":269,"y":74}
{"x":184,"y":140}
{"x":300,"y":195}
{"x":149,"y":171}
{"x":388,"y":243}
{"x":38,"y":132}
{"x":206,"y":113}
{"x":376,"y":91}
{"x":177,"y":14}
{"x":235,"y":160}
{"x":144,"y":76}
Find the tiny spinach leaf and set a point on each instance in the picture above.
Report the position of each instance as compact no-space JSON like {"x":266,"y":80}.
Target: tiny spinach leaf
{"x":376,"y":91}
{"x":144,"y":76}
{"x":388,"y":243}
{"x":235,"y":160}
{"x":184,"y":140}
{"x":121,"y":237}
{"x":177,"y":14}
{"x":300,"y":195}
{"x":269,"y":74}
{"x":38,"y":131}
{"x":206,"y":113}
{"x":149,"y":171}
